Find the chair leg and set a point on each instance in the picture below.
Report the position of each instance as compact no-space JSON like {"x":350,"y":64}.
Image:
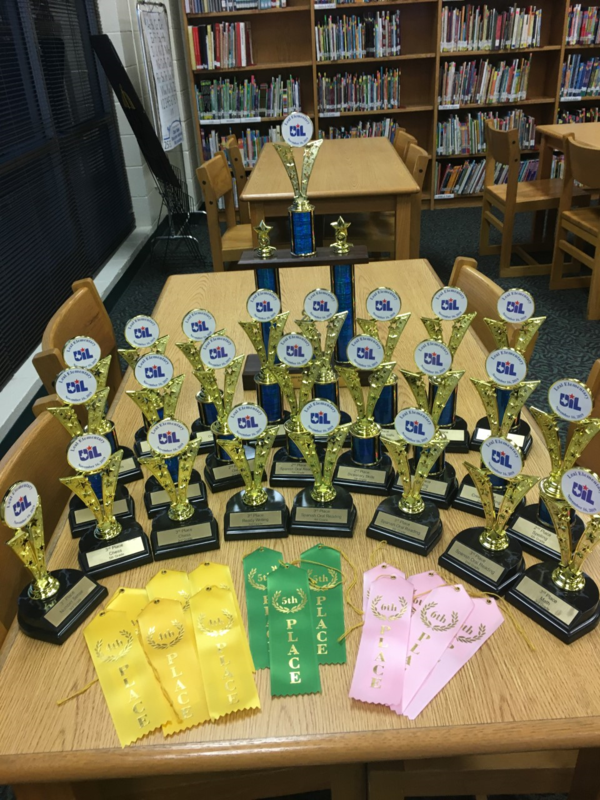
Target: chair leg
{"x":558,"y":260}
{"x":506,"y":247}
{"x":593,"y":309}
{"x":484,"y":229}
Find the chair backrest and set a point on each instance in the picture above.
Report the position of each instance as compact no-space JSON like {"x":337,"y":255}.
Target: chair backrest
{"x":402,"y":141}
{"x":502,"y":147}
{"x":416,"y":162}
{"x":590,"y":458}
{"x":215,"y":180}
{"x":82,"y":314}
{"x":582,"y":163}
{"x":39,"y":456}
{"x":239,"y":174}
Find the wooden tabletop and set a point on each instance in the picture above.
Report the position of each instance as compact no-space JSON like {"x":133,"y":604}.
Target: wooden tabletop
{"x":507,"y":699}
{"x":343,"y":167}
{"x":587,"y":133}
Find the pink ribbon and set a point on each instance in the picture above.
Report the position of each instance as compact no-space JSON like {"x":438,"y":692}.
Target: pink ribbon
{"x":370,"y":575}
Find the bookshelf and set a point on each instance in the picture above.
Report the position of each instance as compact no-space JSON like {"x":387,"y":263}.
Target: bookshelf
{"x":284,"y":43}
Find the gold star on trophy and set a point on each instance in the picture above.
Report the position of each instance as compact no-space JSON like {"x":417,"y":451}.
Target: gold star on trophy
{"x":341,"y":244}
{"x":265,"y":249}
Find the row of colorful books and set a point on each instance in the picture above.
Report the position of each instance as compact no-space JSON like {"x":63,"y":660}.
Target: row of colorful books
{"x":483,"y":82}
{"x":367,"y":36}
{"x":221,"y":46}
{"x":223,"y":99}
{"x":578,"y":115}
{"x":362,"y":130}
{"x":352,"y":92}
{"x":582,"y":27}
{"x":467,"y":178}
{"x":456,"y":136}
{"x":580,"y":78}
{"x":250,"y":142}
{"x":483,"y":28}
{"x":215,"y":6}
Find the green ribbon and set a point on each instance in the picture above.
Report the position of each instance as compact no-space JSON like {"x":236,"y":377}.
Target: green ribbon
{"x":292,"y":651}
{"x":257,"y":566}
{"x":323,"y":566}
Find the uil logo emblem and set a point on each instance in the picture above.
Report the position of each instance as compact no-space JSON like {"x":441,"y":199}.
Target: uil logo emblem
{"x":246,"y":423}
{"x":82,"y":355}
{"x":76,"y":387}
{"x":21,"y":505}
{"x":414,"y":426}
{"x":319,"y":418}
{"x":365,"y":353}
{"x":217,"y":352}
{"x":583,"y":493}
{"x":155,"y":371}
{"x":569,"y":401}
{"x":170,"y":437}
{"x":199,"y":327}
{"x":89,"y":453}
{"x":433,"y":359}
{"x":142,"y":332}
{"x":514,"y":307}
{"x":501,"y":458}
{"x":506,"y":368}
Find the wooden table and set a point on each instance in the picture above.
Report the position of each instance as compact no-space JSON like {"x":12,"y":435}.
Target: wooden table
{"x":507,"y":699}
{"x":349,"y":176}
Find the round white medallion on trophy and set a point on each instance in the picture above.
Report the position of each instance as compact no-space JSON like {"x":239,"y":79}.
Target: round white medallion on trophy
{"x":294,"y":350}
{"x":154,"y":370}
{"x":433,"y":358}
{"x":516,"y":305}
{"x":506,"y":367}
{"x":141,"y":331}
{"x":449,"y":303}
{"x":198,"y":324}
{"x":320,"y":417}
{"x":581,"y":489}
{"x":168,"y":437}
{"x":320,"y":305}
{"x":365,"y":352}
{"x":263,"y":305}
{"x":414,"y":426}
{"x":501,"y":457}
{"x":82,"y":351}
{"x":19,"y":505}
{"x":217,"y":351}
{"x":247,"y":421}
{"x":570,"y":400}
{"x":75,"y":386}
{"x":89,"y":452}
{"x":297,"y":129}
{"x":383,"y":304}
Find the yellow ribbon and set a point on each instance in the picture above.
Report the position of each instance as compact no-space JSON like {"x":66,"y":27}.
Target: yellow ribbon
{"x":129,"y":601}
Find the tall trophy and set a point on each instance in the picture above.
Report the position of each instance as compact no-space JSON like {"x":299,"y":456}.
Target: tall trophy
{"x":112,"y":545}
{"x":486,"y":556}
{"x":383,"y":307}
{"x":342,"y":285}
{"x":295,"y":351}
{"x":570,"y":401}
{"x":255,"y":512}
{"x":558,"y":595}
{"x":449,"y":304}
{"x":322,"y":508}
{"x":434,"y":360}
{"x":183,"y":528}
{"x":55,"y":603}
{"x":297,"y":130}
{"x":412,"y":522}
{"x":365,"y":468}
{"x":514,"y":307}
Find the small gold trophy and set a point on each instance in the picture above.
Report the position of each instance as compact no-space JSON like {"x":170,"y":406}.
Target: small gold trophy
{"x":112,"y":545}
{"x":560,"y":596}
{"x":186,"y":526}
{"x":264,"y":250}
{"x":55,"y":603}
{"x":486,"y":556}
{"x":383,"y":307}
{"x":413,"y":522}
{"x":341,"y":246}
{"x":328,"y":508}
{"x":255,"y":512}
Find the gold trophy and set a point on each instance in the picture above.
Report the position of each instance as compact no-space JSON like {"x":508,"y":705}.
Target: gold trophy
{"x":560,"y":596}
{"x":265,"y":250}
{"x":486,"y":556}
{"x":255,"y":512}
{"x":413,"y":522}
{"x":185,"y":527}
{"x":55,"y":603}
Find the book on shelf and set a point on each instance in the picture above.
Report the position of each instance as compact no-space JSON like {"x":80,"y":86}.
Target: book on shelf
{"x":216,"y":6}
{"x":351,"y":92}
{"x":222,"y":45}
{"x":456,"y":136}
{"x":580,"y":77}
{"x":570,"y":115}
{"x":250,"y":142}
{"x":365,"y":129}
{"x":467,"y":178}
{"x":351,"y":37}
{"x":582,"y":25}
{"x":223,"y":99}
{"x":483,"y":28}
{"x":477,"y":82}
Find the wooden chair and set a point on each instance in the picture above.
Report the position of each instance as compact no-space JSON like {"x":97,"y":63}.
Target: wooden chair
{"x":402,"y":141}
{"x":590,"y":458}
{"x":582,"y":164}
{"x":39,"y":456}
{"x":239,"y":175}
{"x":502,"y":147}
{"x":83,"y":314}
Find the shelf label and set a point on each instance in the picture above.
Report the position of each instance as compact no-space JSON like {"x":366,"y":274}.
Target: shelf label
{"x":323,"y":114}
{"x":443,"y":197}
{"x":449,"y":107}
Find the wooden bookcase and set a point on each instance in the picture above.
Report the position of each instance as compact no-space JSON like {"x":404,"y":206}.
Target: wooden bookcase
{"x":284,"y":43}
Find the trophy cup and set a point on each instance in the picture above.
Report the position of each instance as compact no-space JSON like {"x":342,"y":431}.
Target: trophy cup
{"x":514,"y":306}
{"x":327,"y":508}
{"x":266,"y":277}
{"x":55,"y":603}
{"x":383,"y":306}
{"x":295,"y":352}
{"x":485,"y":556}
{"x":183,"y":528}
{"x":440,"y":486}
{"x":534,"y":527}
{"x":255,"y":512}
{"x":560,"y":596}
{"x":112,"y":545}
{"x":265,"y":249}
{"x":412,"y":523}
{"x":297,"y":130}
{"x":450,"y":304}
{"x":365,"y":468}
{"x":342,"y":285}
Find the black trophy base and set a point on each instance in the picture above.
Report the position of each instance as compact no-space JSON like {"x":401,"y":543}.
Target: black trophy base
{"x":288,"y":471}
{"x":418,"y":533}
{"x":129,"y":470}
{"x":55,"y":619}
{"x":537,"y":539}
{"x":156,"y":498}
{"x":172,"y":539}
{"x":468,"y":498}
{"x":269,"y":521}
{"x":81,"y":519}
{"x":521,"y":437}
{"x":458,"y":437}
{"x":566,"y":615}
{"x":487,"y":570}
{"x":440,"y":490}
{"x":223,"y":475}
{"x":335,"y":518}
{"x":377,"y":479}
{"x":205,"y":434}
{"x":130,"y":549}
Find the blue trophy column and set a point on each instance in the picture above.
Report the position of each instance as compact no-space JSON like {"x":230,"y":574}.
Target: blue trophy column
{"x":302,"y":232}
{"x":342,"y":285}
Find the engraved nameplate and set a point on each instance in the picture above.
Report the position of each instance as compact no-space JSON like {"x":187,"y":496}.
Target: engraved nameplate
{"x":434,"y":487}
{"x":287,"y":468}
{"x":361,"y":475}
{"x":256,"y":519}
{"x":144,"y":448}
{"x":471,"y":493}
{"x":537,"y":533}
{"x":399,"y":525}
{"x":476,"y":561}
{"x":482,"y":434}
{"x":67,"y":604}
{"x":204,"y":436}
{"x":85,"y":515}
{"x":546,"y":600}
{"x":127,"y":465}
{"x":192,"y":533}
{"x":229,"y":470}
{"x":161,"y":496}
{"x":390,"y":434}
{"x":453,"y":435}
{"x":115,"y":551}
{"x":337,"y":516}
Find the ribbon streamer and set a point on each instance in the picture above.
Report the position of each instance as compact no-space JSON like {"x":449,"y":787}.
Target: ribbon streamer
{"x":323,"y":566}
{"x":257,"y":566}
